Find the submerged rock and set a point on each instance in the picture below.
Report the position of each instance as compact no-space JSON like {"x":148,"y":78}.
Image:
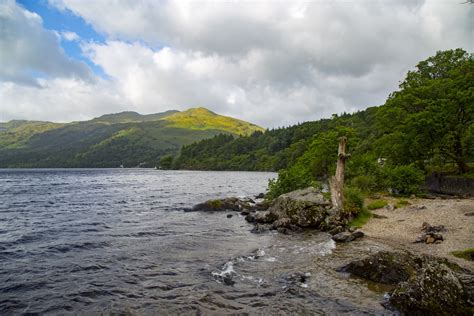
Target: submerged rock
{"x":423,"y":285}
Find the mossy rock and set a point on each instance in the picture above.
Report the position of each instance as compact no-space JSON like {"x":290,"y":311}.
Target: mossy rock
{"x":424,"y":285}
{"x":384,"y":267}
{"x":306,"y":208}
{"x":436,"y":290}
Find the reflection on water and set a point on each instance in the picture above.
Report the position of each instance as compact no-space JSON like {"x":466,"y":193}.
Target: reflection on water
{"x":117,"y":241}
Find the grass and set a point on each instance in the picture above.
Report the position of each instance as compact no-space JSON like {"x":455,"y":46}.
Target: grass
{"x":401,"y":203}
{"x":467,"y":254}
{"x":374,"y":205}
{"x":361,"y":219}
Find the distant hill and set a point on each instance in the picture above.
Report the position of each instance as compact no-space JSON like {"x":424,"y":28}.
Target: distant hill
{"x":126,"y":138}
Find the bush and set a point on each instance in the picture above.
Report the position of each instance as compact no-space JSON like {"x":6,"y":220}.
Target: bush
{"x":353,"y":200}
{"x":361,"y":218}
{"x":289,"y":180}
{"x":405,"y":179}
{"x":365,"y":183}
{"x":374,"y":205}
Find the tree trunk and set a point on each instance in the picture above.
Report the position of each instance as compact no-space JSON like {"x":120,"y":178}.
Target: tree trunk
{"x":459,"y":154}
{"x":336,"y":182}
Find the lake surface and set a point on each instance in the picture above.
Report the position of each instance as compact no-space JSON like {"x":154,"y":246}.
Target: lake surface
{"x":117,"y":241}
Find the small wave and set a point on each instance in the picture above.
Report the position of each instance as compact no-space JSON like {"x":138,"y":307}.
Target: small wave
{"x":83,"y":246}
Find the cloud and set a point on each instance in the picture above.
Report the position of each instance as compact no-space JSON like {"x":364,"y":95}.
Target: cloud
{"x":69,"y":36}
{"x":270,"y":62}
{"x":59,"y":100}
{"x":29,"y":51}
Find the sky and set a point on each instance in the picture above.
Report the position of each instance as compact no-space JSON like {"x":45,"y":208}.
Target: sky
{"x":273,"y":63}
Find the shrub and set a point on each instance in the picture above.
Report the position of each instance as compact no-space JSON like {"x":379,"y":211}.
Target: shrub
{"x":353,"y":200}
{"x":401,"y":203}
{"x":289,"y":180}
{"x":361,"y":219}
{"x":405,"y":179}
{"x":374,"y":205}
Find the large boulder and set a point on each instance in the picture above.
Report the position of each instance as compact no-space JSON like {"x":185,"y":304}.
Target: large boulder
{"x":306,"y":208}
{"x":423,"y":285}
{"x":436,"y":290}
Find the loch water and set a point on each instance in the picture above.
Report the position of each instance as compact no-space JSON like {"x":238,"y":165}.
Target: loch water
{"x":118,"y":241}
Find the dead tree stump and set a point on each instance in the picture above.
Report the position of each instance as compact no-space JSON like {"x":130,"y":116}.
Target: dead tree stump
{"x":336,"y":183}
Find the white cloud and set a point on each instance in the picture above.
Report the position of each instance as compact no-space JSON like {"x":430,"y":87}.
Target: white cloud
{"x":69,"y":36}
{"x":271,"y":62}
{"x":27,"y":50}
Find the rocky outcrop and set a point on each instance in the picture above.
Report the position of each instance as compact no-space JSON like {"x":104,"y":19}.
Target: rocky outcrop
{"x":306,"y":208}
{"x":423,"y":285}
{"x":227,"y":204}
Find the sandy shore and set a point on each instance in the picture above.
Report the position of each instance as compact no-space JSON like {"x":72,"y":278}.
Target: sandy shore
{"x":403,"y":225}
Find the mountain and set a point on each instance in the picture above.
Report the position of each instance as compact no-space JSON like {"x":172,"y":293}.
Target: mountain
{"x":126,"y":138}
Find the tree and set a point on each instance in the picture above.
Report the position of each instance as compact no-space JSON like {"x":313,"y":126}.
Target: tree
{"x":431,"y":112}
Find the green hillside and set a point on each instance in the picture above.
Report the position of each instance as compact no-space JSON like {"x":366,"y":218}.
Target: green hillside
{"x":203,"y":119}
{"x":125,"y":138}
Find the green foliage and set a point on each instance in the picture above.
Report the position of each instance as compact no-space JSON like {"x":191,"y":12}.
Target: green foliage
{"x":353,"y":200}
{"x":361,"y":219}
{"x":401,"y":203}
{"x":289,"y":180}
{"x":405,"y":179}
{"x":429,"y":121}
{"x":165,"y":162}
{"x":377,"y":204}
{"x":467,"y":254}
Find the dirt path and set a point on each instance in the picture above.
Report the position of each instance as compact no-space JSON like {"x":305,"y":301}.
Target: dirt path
{"x":403,"y":225}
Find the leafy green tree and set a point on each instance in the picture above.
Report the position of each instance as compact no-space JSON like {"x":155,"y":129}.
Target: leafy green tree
{"x":431,"y":112}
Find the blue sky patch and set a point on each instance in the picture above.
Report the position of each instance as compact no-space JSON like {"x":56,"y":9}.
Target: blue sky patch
{"x":66,"y":21}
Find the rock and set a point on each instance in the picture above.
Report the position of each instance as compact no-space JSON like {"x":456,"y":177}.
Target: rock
{"x":250,"y":218}
{"x":357,"y":234}
{"x":375,"y":215}
{"x":336,"y":230}
{"x":260,"y":196}
{"x":436,"y":290}
{"x":347,"y":236}
{"x":244,"y":213}
{"x":417,"y":207}
{"x":383,"y":267}
{"x":229,"y":215}
{"x":227,"y":204}
{"x":306,"y":208}
{"x":261,"y":228}
{"x":430,"y":238}
{"x":390,"y":207}
{"x":424,"y":285}
{"x":297,"y":277}
{"x":469,"y":214}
